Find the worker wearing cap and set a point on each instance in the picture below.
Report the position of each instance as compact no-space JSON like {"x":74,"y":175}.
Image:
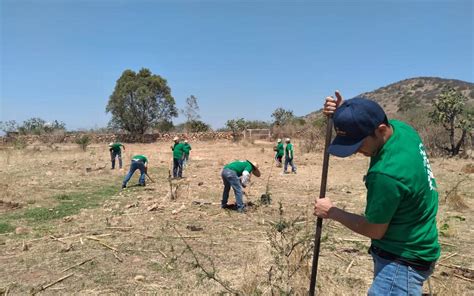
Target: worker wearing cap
{"x":402,"y":199}
{"x":178,"y":156}
{"x":280,"y":151}
{"x":139,"y":162}
{"x":237,"y":175}
{"x":289,"y":155}
{"x":187,"y":149}
{"x":116,"y":151}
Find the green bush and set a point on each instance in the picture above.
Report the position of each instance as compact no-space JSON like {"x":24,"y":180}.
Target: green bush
{"x":83,"y":142}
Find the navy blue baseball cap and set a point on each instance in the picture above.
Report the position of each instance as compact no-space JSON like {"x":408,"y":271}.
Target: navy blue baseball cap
{"x":354,"y":120}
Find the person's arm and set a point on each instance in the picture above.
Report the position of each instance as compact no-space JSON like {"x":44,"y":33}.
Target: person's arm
{"x":245,"y":179}
{"x":324,"y":208}
{"x":331,"y":104}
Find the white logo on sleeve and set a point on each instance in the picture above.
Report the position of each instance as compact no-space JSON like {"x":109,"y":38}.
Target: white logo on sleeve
{"x":426,"y":164}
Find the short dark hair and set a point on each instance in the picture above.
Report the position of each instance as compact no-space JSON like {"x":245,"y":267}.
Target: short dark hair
{"x":385,"y":121}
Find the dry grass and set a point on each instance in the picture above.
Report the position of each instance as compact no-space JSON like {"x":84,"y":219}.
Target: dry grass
{"x":128,"y":240}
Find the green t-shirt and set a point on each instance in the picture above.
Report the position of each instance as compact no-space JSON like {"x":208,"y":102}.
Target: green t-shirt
{"x":140,"y":157}
{"x":116,"y":147}
{"x":240,"y":166}
{"x":280,"y":150}
{"x":178,"y":150}
{"x":401,"y":191}
{"x":289,"y":151}
{"x":187,"y":148}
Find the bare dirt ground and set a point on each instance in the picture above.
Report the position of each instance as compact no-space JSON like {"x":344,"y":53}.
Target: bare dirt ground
{"x":67,"y":228}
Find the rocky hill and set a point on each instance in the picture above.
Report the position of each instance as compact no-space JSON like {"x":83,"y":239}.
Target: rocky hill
{"x":411,"y":93}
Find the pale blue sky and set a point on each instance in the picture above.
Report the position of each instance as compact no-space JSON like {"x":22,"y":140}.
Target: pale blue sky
{"x":61,"y":59}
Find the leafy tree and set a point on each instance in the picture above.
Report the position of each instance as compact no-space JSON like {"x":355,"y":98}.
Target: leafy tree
{"x":197,"y":126}
{"x":256,"y":124}
{"x":83,"y":142}
{"x":164,"y":125}
{"x":37,"y":126}
{"x":236,"y":126}
{"x":450,"y":112}
{"x":282,"y":116}
{"x":33,"y":125}
{"x":141,"y":101}
{"x":55,"y":125}
{"x":8,"y":126}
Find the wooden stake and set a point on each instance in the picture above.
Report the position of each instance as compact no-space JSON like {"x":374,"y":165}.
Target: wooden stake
{"x":56,"y":281}
{"x":448,"y":257}
{"x":57,"y":239}
{"x":463,"y":278}
{"x":78,"y":264}
{"x":120,"y":228}
{"x":102,"y":243}
{"x":117,"y":257}
{"x":349,"y":267}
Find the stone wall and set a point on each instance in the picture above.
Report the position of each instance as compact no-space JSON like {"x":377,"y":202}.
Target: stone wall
{"x":107,"y":138}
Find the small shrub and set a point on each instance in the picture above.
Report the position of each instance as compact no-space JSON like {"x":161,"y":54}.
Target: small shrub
{"x":19,"y":144}
{"x":83,"y":142}
{"x":5,"y":227}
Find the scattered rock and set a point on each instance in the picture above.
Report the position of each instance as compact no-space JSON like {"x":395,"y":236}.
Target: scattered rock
{"x":24,"y":247}
{"x":468,"y":168}
{"x":155,"y":207}
{"x":49,"y":173}
{"x":66,"y":248}
{"x":134,"y":205}
{"x":68,"y":219}
{"x":7,"y":205}
{"x":21,"y":230}
{"x":194,"y":228}
{"x":200,"y":183}
{"x":88,"y":170}
{"x":139,"y":278}
{"x":174,"y":212}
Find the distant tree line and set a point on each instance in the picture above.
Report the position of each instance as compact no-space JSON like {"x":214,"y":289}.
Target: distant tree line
{"x":33,"y":126}
{"x":142,"y":102}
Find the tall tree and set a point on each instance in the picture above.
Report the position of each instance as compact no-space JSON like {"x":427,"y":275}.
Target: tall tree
{"x":191,"y":111}
{"x":140,"y":101}
{"x":282,"y":116}
{"x":449,"y":110}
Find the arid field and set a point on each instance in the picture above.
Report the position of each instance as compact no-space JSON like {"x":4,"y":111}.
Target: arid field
{"x":66,"y":228}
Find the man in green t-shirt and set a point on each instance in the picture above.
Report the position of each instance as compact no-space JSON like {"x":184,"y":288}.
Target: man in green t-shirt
{"x":178,"y":157}
{"x":237,"y":175}
{"x":116,"y":151}
{"x":402,"y":199}
{"x":280,"y":151}
{"x":289,"y":155}
{"x":187,"y":149}
{"x":139,"y":162}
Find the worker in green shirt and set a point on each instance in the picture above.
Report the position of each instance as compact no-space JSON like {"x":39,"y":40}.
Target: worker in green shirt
{"x":280,"y":151}
{"x":402,"y":196}
{"x":237,"y":175}
{"x":116,"y":151}
{"x":289,"y":155}
{"x":139,"y":162}
{"x":187,"y":148}
{"x":178,"y":157}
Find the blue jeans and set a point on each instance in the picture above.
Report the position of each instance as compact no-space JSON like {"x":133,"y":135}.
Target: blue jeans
{"x":290,"y":162}
{"x":185,"y":160}
{"x":136,"y":165}
{"x":177,"y":168}
{"x":113,"y":155}
{"x":393,"y":278}
{"x":230,"y":179}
